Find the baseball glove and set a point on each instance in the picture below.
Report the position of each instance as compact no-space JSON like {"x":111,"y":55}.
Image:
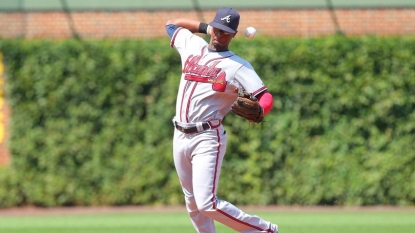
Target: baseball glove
{"x":247,"y":106}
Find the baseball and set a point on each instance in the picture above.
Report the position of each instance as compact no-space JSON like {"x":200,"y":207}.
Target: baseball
{"x":250,"y":32}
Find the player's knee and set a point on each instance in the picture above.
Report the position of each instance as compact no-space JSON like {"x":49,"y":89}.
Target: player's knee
{"x":206,"y":208}
{"x":191,"y":204}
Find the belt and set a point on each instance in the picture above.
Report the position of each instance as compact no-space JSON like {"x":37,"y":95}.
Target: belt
{"x":193,"y":129}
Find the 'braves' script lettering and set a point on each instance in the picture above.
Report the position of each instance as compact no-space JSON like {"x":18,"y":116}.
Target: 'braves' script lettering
{"x":203,"y":73}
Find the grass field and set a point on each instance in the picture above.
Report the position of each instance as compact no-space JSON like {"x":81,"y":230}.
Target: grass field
{"x":289,"y":221}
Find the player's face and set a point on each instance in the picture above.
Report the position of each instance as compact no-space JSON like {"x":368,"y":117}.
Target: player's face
{"x":220,"y":39}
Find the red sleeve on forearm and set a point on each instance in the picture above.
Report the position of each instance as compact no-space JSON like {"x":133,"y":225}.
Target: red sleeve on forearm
{"x":266,"y":101}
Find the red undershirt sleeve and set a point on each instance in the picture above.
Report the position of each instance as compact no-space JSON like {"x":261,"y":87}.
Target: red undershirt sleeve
{"x":266,"y":101}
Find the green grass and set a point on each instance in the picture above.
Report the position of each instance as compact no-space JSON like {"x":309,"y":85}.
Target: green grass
{"x":168,"y":222}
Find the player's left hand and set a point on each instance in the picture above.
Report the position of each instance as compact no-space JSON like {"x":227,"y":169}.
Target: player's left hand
{"x":247,"y":106}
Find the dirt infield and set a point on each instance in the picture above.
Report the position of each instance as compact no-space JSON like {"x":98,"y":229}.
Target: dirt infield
{"x":27,"y":211}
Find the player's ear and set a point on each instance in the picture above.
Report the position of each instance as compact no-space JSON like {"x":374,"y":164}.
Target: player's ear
{"x":235,"y":34}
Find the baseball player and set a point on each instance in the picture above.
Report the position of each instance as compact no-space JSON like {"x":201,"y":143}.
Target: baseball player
{"x":211,"y":76}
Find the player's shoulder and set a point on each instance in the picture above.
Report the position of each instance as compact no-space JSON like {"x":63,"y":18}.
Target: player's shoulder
{"x":236,"y":58}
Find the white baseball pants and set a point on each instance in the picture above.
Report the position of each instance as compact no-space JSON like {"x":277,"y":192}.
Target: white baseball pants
{"x":198,"y":158}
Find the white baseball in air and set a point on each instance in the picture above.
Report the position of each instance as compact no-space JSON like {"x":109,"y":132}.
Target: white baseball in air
{"x":250,"y":32}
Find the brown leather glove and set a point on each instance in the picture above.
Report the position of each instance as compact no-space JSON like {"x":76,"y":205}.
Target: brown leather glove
{"x":247,"y":106}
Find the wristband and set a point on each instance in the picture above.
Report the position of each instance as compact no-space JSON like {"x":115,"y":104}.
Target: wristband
{"x":203,"y":28}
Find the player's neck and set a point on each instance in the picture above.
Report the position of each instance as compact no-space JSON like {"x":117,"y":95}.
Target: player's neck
{"x":213,"y":48}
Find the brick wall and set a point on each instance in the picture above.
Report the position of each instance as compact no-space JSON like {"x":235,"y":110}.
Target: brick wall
{"x":150,"y":24}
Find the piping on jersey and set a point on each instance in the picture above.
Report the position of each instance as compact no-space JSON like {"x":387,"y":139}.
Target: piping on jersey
{"x":174,"y":37}
{"x":181,"y":104}
{"x":188,"y":102}
{"x":214,"y":193}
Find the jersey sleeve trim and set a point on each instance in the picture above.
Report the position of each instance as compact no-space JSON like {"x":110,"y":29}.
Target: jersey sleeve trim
{"x":170,"y":29}
{"x":259,"y":91}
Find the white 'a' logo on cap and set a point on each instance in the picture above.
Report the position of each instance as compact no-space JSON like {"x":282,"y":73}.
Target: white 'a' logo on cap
{"x":227,"y":18}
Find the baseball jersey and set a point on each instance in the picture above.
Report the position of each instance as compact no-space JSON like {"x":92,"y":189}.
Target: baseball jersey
{"x":209,"y":78}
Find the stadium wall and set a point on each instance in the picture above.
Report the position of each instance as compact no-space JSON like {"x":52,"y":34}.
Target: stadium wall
{"x":150,"y":23}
